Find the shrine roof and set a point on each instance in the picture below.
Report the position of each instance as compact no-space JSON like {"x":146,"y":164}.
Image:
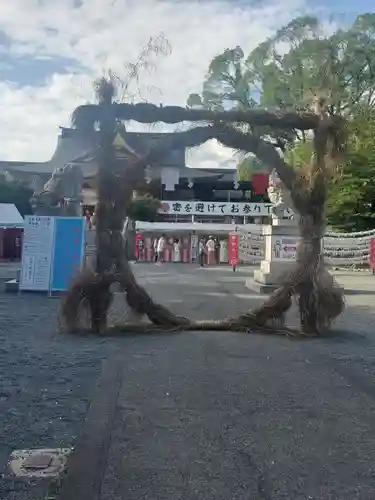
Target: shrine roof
{"x":73,"y":146}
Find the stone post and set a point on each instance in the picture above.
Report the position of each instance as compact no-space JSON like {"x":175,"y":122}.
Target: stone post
{"x":280,"y":247}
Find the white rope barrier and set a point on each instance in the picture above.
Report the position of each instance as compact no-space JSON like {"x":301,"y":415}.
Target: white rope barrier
{"x":339,"y":248}
{"x":358,"y":234}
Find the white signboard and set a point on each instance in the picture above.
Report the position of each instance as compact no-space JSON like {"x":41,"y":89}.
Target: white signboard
{"x":37,"y":253}
{"x":232,"y":208}
{"x":284,"y":248}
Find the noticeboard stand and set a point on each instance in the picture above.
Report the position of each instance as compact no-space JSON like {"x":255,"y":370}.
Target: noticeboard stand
{"x":66,"y":251}
{"x":37,"y":248}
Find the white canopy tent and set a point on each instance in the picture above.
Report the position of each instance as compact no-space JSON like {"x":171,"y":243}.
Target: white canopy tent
{"x":10,"y":217}
{"x":197,"y":227}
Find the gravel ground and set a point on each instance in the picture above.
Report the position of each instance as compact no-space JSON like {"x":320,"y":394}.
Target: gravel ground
{"x":46,"y":382}
{"x":47,"y":379}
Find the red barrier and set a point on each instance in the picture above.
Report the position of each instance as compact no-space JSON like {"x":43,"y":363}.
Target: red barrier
{"x":233,"y":244}
{"x":372,"y":254}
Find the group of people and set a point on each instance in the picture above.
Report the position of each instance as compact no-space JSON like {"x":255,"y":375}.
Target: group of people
{"x":159,"y":247}
{"x":208,"y":251}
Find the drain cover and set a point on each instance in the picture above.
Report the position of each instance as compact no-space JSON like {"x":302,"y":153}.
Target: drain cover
{"x":38,"y":463}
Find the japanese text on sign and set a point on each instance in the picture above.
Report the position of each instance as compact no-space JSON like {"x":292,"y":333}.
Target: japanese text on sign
{"x":233,"y":248}
{"x":215,"y":208}
{"x":372,"y":253}
{"x":37,"y":253}
{"x":284,"y":248}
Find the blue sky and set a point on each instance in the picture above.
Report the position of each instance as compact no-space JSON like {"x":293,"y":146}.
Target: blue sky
{"x":51,"y":51}
{"x":348,"y":7}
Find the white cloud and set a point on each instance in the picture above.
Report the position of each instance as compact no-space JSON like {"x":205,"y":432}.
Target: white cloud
{"x":106,"y":33}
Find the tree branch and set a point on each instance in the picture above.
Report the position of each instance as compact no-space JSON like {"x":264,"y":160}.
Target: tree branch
{"x":181,"y":140}
{"x":264,"y":151}
{"x":229,"y":137}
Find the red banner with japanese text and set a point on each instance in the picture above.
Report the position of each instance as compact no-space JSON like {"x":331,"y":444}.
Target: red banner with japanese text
{"x":233,"y":244}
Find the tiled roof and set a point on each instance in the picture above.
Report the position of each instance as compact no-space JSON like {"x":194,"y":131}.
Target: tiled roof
{"x":72,"y":146}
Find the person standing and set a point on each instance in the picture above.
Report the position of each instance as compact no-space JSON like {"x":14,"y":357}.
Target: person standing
{"x":217,"y":251}
{"x":160,"y":249}
{"x":92,"y":220}
{"x":141,"y":250}
{"x":201,"y":251}
{"x":88,"y":219}
{"x":211,"y":251}
{"x":176,"y":251}
{"x":155,"y":248}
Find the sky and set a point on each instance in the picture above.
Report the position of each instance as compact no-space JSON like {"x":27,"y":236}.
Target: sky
{"x":51,"y":51}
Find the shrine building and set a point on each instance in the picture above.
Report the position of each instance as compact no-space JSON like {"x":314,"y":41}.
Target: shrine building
{"x":194,"y":201}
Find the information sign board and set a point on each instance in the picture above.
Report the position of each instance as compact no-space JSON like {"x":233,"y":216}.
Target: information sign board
{"x":68,"y":251}
{"x":37,"y":253}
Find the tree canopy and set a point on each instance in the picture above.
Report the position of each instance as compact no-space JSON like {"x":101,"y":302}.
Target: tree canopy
{"x":340,"y":66}
{"x":351,"y":202}
{"x":248,"y":166}
{"x":143,"y":208}
{"x":285,"y":72}
{"x":289,"y":68}
{"x":20,"y":195}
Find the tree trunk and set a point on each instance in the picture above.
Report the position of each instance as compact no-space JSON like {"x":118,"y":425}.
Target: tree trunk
{"x":309,"y":259}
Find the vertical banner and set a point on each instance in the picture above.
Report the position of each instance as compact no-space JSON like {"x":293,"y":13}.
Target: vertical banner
{"x":68,"y":251}
{"x":37,"y":251}
{"x":233,"y":244}
{"x":372,"y":254}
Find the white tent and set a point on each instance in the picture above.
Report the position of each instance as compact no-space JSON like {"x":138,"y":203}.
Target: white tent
{"x":197,"y":227}
{"x":10,"y":216}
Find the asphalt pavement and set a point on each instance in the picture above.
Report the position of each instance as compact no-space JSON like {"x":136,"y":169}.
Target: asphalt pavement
{"x":192,"y":415}
{"x":220,"y":415}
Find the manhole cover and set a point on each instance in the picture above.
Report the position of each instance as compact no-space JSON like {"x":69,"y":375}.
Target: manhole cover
{"x":38,"y":463}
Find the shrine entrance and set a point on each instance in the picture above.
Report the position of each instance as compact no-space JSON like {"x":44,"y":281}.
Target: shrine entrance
{"x":320,"y":299}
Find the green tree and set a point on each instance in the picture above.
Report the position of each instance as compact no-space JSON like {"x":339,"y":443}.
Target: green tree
{"x":249,"y":166}
{"x":340,"y":66}
{"x":285,"y":72}
{"x":351,"y":199}
{"x":143,"y":208}
{"x":229,"y":85}
{"x":351,"y":192}
{"x":300,"y":153}
{"x":18,"y":194}
{"x":288,"y":69}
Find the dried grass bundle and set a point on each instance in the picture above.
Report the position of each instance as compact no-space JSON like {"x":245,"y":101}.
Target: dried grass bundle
{"x":320,"y":300}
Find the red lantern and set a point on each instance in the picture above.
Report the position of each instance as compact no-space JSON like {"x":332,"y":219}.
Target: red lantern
{"x":260,"y":182}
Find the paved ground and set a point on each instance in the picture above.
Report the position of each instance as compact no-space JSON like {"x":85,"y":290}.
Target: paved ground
{"x":202,"y":415}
